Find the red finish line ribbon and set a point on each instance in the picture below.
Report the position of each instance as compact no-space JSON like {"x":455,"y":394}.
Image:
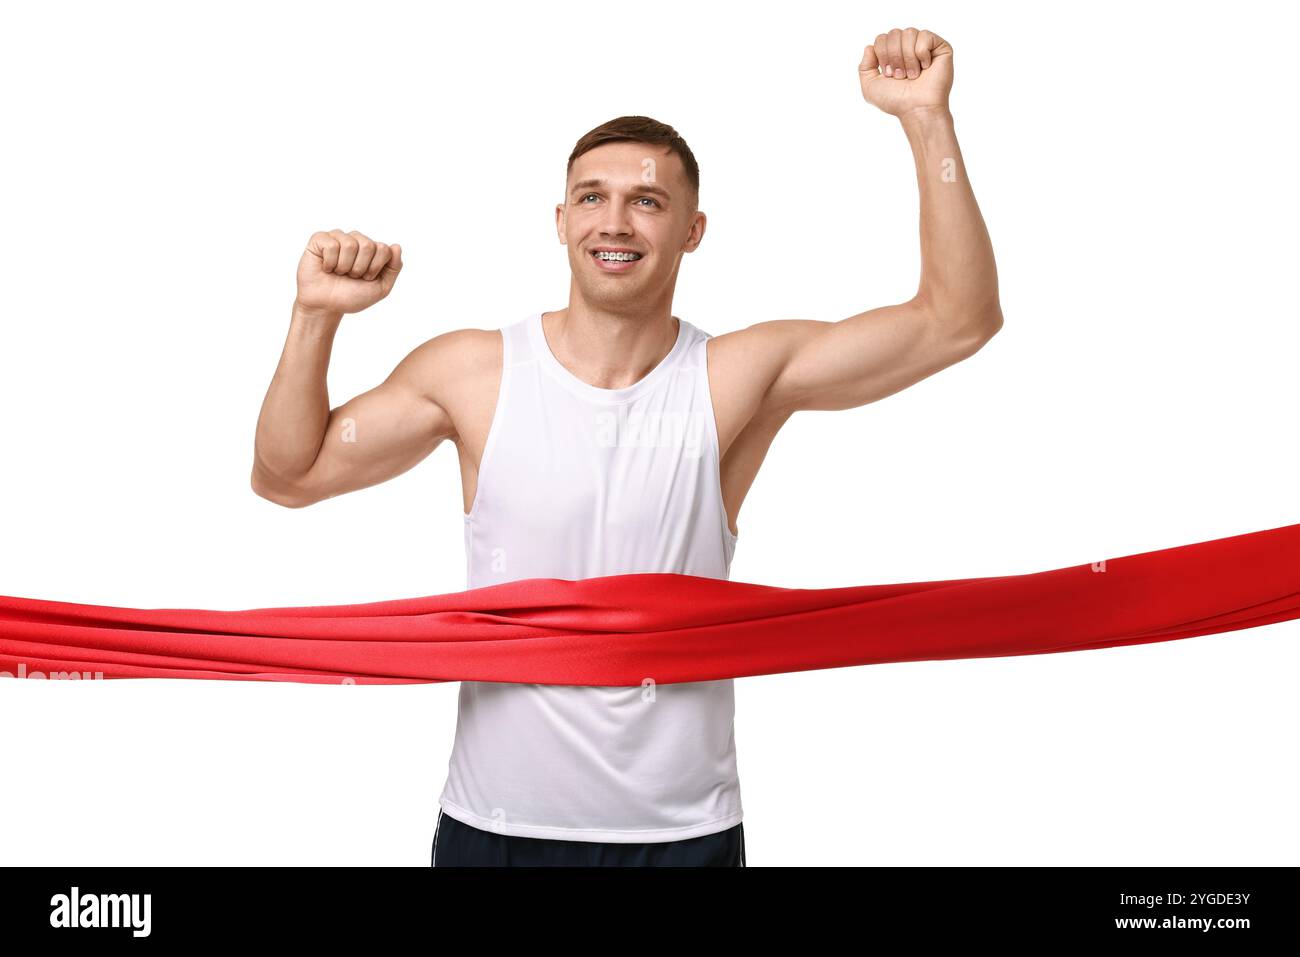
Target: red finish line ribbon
{"x":665,"y":628}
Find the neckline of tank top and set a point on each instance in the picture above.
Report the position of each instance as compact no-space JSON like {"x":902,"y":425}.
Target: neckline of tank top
{"x":537,"y":333}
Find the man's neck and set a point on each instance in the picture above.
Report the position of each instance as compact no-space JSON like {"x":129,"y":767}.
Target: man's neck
{"x":607,"y":350}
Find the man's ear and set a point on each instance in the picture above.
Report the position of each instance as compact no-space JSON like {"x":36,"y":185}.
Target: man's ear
{"x":696,"y":234}
{"x":559,"y":222}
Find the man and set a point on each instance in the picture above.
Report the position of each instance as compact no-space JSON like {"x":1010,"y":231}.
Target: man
{"x":612,"y":437}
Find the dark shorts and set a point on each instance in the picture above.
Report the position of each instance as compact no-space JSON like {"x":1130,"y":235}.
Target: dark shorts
{"x":457,"y":844}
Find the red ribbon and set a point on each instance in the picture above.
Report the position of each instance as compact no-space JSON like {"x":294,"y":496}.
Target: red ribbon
{"x":664,"y":628}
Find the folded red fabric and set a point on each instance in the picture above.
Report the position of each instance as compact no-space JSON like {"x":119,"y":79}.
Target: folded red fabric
{"x":665,"y":628}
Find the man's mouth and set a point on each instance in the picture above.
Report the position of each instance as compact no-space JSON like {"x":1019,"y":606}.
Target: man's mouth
{"x":618,"y":261}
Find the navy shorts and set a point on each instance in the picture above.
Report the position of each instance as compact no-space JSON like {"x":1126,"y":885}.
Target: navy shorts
{"x":457,"y":844}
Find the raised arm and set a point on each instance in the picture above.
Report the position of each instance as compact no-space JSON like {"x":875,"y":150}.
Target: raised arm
{"x":304,"y":452}
{"x":807,"y":364}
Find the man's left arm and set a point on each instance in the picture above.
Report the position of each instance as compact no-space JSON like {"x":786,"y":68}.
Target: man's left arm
{"x":841,"y":365}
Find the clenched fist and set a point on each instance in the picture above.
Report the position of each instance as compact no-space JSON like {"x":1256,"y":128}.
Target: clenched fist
{"x":906,"y":70}
{"x":346,"y":272}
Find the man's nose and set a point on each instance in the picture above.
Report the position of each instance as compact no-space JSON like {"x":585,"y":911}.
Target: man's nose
{"x":616,"y":222}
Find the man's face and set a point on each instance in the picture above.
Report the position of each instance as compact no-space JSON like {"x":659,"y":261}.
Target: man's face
{"x":631,"y":197}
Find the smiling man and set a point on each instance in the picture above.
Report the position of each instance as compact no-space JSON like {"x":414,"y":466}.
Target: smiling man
{"x":612,"y":437}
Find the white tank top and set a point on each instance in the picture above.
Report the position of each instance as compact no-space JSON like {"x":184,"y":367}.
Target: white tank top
{"x":576,"y":482}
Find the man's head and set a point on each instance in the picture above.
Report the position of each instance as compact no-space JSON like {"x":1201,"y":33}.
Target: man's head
{"x":631,"y":184}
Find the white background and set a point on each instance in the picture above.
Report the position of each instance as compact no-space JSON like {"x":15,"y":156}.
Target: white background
{"x":164,"y":166}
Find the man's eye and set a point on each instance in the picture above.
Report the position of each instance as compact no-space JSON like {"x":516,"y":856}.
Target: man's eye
{"x":589,"y":195}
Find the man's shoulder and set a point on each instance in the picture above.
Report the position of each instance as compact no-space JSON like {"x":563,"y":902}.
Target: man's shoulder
{"x":754,"y":347}
{"x":472,"y":342}
{"x":467,"y":350}
{"x":444,"y":366}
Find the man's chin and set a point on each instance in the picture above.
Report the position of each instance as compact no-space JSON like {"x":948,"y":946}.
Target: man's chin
{"x":611,"y":296}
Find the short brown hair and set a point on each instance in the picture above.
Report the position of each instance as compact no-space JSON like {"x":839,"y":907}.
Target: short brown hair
{"x":641,"y":129}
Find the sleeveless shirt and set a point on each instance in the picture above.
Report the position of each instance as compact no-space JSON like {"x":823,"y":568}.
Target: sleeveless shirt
{"x":575,"y":482}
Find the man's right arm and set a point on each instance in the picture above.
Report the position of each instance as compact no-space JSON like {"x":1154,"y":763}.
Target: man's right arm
{"x":305,"y":452}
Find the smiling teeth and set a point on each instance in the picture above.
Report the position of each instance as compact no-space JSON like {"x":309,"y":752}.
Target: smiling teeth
{"x":618,"y":257}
